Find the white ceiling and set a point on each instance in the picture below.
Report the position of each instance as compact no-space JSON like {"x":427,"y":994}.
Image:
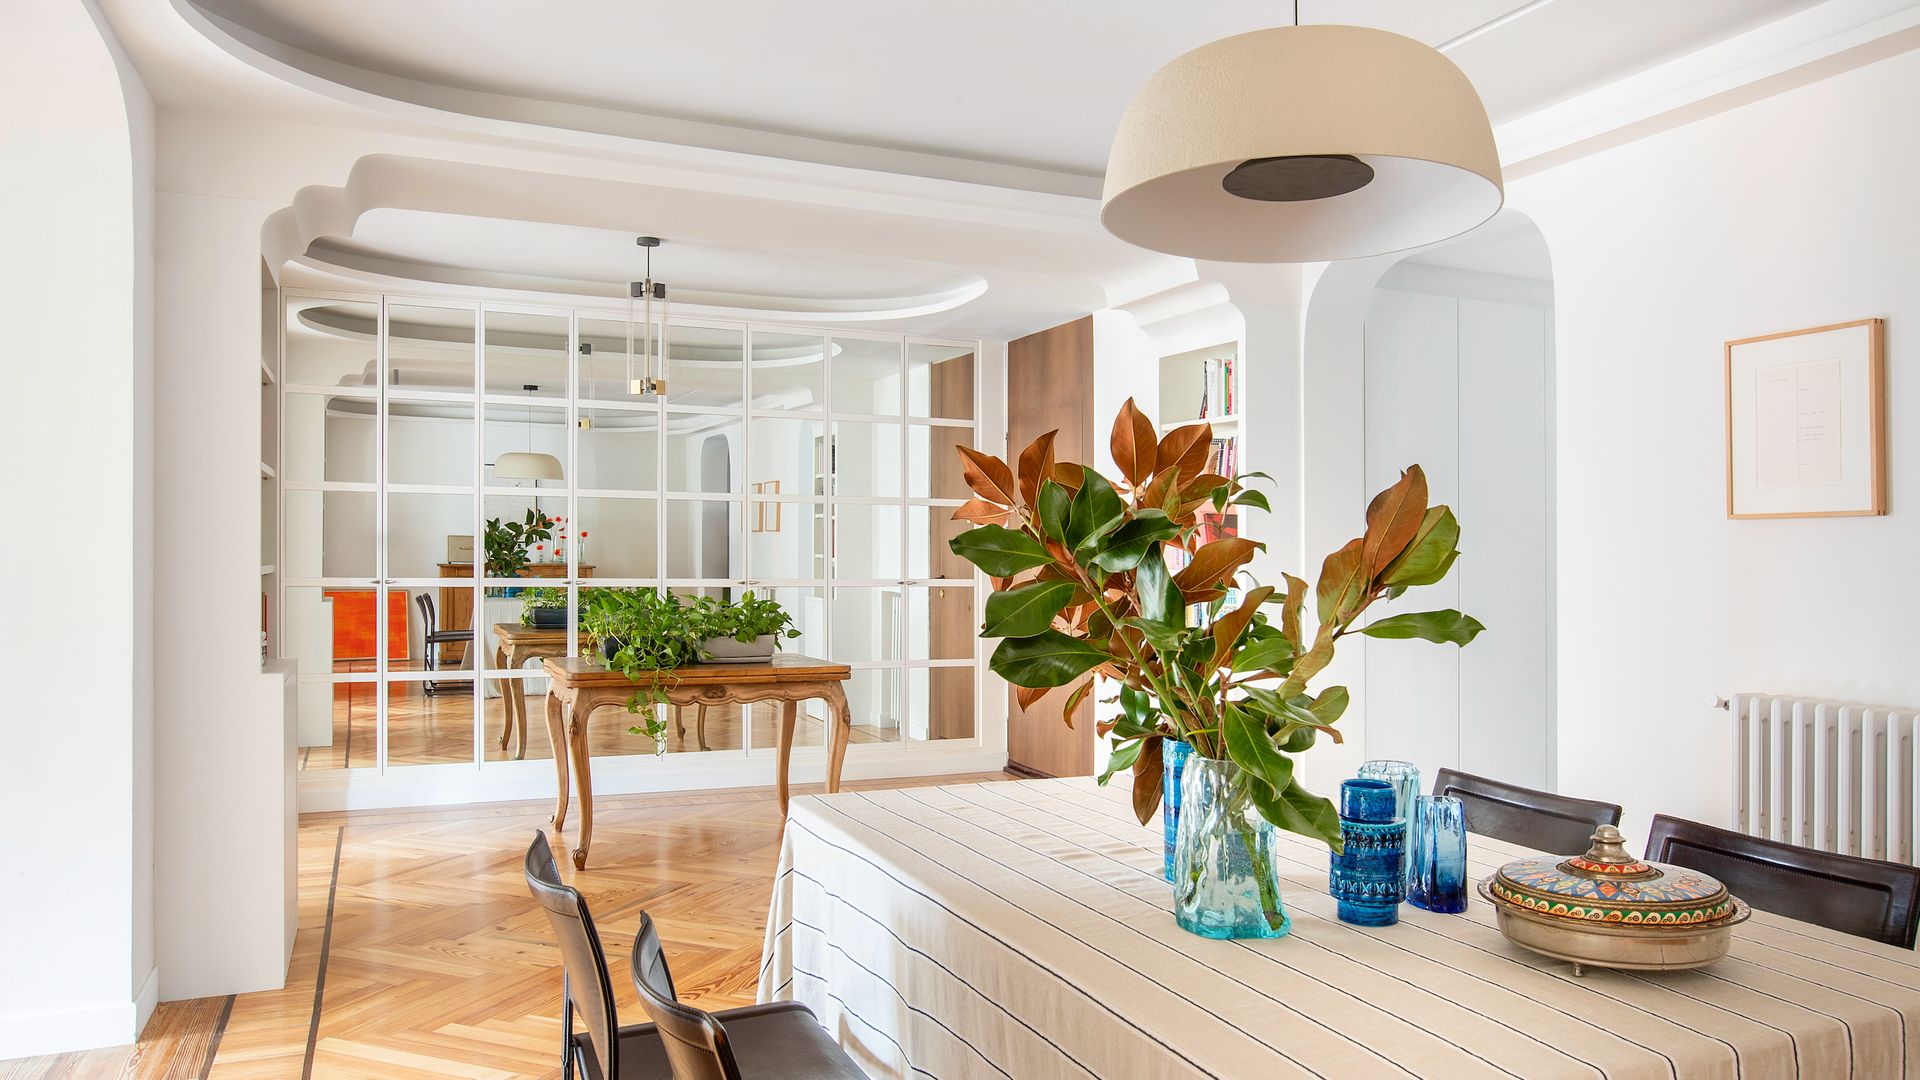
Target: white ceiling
{"x":1029,"y":82}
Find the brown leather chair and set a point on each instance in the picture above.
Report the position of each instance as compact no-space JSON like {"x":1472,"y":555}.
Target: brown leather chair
{"x":1537,"y":819}
{"x":1865,"y":897}
{"x":780,"y":1039}
{"x":776,"y":1039}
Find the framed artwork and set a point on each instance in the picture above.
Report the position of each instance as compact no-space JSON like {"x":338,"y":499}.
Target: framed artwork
{"x":1806,"y":423}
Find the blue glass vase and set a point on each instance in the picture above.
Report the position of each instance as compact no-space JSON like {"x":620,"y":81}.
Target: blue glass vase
{"x":1175,"y":758}
{"x":1439,"y":875}
{"x":1226,"y":880}
{"x":1405,"y":778}
{"x":1367,"y":877}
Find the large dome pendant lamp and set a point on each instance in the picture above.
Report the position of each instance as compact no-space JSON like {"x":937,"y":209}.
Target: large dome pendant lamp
{"x":1302,"y":144}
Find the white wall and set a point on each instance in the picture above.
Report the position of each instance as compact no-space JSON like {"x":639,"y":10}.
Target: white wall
{"x":1460,"y":384}
{"x":76,"y":935}
{"x":1790,"y":212}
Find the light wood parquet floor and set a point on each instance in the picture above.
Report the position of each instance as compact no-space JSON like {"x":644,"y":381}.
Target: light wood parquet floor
{"x":427,"y":958}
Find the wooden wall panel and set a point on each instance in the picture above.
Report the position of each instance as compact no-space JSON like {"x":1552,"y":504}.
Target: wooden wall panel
{"x":1050,"y":386}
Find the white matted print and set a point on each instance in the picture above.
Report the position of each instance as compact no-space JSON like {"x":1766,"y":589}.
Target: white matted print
{"x":1805,"y":423}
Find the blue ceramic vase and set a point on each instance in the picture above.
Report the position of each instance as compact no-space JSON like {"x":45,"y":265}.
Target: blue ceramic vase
{"x":1176,"y":753}
{"x":1368,"y":877}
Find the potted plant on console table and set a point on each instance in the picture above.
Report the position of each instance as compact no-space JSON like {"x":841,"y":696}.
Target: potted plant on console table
{"x":1081,"y":584}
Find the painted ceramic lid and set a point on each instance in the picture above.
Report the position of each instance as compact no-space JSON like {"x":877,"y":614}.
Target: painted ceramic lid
{"x":1609,"y":885}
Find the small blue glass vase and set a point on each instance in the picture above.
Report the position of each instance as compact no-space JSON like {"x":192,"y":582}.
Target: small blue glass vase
{"x":1367,"y":877}
{"x":1405,"y":778}
{"x":1175,"y":762}
{"x":1438,"y":880}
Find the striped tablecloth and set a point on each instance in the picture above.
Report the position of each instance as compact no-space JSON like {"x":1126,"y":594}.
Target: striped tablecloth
{"x":1022,"y":930}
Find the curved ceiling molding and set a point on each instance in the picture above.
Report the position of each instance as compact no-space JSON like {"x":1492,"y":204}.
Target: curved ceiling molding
{"x":595,"y":127}
{"x":402,"y":222}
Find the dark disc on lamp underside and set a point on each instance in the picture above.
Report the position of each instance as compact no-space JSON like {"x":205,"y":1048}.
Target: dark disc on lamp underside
{"x":1297,"y":178}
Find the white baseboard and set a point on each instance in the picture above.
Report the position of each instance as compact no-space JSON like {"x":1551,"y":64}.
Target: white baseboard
{"x":66,"y":1031}
{"x":513,"y":781}
{"x":145,"y":999}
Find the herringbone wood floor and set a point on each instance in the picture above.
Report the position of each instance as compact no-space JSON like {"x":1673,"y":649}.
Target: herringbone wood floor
{"x":436,"y":963}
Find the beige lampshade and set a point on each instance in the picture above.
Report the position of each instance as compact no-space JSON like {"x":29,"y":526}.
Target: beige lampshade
{"x":1341,"y":141}
{"x":520,"y":465}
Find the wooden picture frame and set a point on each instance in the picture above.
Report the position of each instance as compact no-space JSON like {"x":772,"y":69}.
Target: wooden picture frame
{"x":1806,"y":422}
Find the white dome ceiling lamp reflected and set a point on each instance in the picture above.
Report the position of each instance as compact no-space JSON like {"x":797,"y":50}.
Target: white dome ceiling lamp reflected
{"x":528,"y":465}
{"x":1302,"y":144}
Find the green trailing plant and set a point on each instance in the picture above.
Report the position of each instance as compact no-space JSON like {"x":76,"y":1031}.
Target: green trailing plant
{"x":1082,"y":586}
{"x":652,"y":633}
{"x":509,"y":544}
{"x":540,"y":597}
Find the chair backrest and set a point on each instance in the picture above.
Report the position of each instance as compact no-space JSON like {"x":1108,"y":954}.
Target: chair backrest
{"x":1867,"y":897}
{"x":425,"y":601}
{"x":696,"y":1044}
{"x":1537,"y":819}
{"x":587,"y":983}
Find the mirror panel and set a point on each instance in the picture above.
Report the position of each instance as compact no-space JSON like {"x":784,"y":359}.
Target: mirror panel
{"x":787,"y":373}
{"x":940,"y":380}
{"x":866,"y":376}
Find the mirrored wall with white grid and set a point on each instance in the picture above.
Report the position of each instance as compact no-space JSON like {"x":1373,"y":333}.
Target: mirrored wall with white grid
{"x":815,"y":466}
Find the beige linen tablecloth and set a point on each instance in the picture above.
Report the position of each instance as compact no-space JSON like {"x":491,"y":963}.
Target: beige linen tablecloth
{"x":1022,"y":930}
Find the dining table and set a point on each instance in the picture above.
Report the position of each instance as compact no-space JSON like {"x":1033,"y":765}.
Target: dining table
{"x":1023,"y":929}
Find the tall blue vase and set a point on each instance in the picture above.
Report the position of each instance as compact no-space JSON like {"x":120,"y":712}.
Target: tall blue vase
{"x":1405,"y":778}
{"x":1176,"y":755}
{"x":1368,"y":878}
{"x":1439,"y":855}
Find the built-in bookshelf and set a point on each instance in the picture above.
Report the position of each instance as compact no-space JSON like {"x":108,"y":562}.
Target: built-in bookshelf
{"x":1203,"y":386}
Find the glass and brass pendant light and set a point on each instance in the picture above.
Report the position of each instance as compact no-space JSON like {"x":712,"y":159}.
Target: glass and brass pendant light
{"x":1302,"y":144}
{"x":651,"y":357}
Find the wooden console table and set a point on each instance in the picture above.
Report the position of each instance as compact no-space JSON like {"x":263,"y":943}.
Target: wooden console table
{"x":454,"y":608}
{"x":580,"y":685}
{"x":515,"y":644}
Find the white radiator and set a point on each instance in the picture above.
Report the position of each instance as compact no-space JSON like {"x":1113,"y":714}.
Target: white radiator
{"x":1826,"y":775}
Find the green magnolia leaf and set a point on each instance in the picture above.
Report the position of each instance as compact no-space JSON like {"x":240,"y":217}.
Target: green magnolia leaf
{"x":1051,"y":508}
{"x":1044,"y":660}
{"x":1027,"y":610}
{"x":1136,"y":714}
{"x":1124,"y":755}
{"x":1436,"y":626}
{"x":999,"y":551}
{"x":1131,"y":542}
{"x":1343,"y":583}
{"x":1251,"y":497}
{"x":1430,"y":554}
{"x":1265,"y":654}
{"x":1330,"y":705}
{"x":1251,"y":749}
{"x":1298,"y":810}
{"x":1162,"y":637}
{"x":1095,"y":510}
{"x":1160,"y":599}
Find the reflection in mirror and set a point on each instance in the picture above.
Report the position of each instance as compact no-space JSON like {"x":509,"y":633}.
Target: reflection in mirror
{"x":940,"y":623}
{"x":940,"y":380}
{"x":328,"y":437}
{"x":866,"y":458}
{"x":526,"y":446}
{"x":421,"y":531}
{"x":430,"y":722}
{"x":873,"y":696}
{"x":617,"y":538}
{"x":523,"y":554}
{"x":429,"y":349}
{"x":866,"y":376}
{"x":786,"y":541}
{"x":933,"y":463}
{"x":603,"y":366}
{"x":866,"y":542}
{"x":337,"y":724}
{"x":788,"y":456}
{"x":331,"y":634}
{"x":332,"y":343}
{"x":703,"y":366}
{"x":940,"y":703}
{"x":525,"y":350}
{"x":930,"y":530}
{"x":866,"y":623}
{"x":619,"y":452}
{"x":502,"y":704}
{"x":430,"y":442}
{"x":704,"y":540}
{"x":703,"y":453}
{"x":329,"y":534}
{"x":808,"y":606}
{"x":788,"y":373}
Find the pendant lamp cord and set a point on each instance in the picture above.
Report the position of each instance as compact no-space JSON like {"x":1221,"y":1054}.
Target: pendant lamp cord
{"x":1296,"y":14}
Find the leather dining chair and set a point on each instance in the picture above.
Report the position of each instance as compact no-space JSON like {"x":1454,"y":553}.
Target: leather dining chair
{"x":779,"y":1039}
{"x":1865,"y":897}
{"x":435,"y":637}
{"x":1537,"y":819}
{"x":776,"y":1039}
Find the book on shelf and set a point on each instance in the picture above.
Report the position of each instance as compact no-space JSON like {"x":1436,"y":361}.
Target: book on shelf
{"x":1223,"y":457}
{"x":1217,"y":395}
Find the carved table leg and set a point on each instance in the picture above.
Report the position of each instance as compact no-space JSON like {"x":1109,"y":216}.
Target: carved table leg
{"x":783,"y":741}
{"x":577,"y":718}
{"x":700,"y":727}
{"x":506,"y":700}
{"x":556,"y":736}
{"x":516,"y":695}
{"x":680,"y":722}
{"x":838,"y":735}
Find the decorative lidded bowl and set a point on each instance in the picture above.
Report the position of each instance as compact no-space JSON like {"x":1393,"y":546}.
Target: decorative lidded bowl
{"x":1609,"y":909}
